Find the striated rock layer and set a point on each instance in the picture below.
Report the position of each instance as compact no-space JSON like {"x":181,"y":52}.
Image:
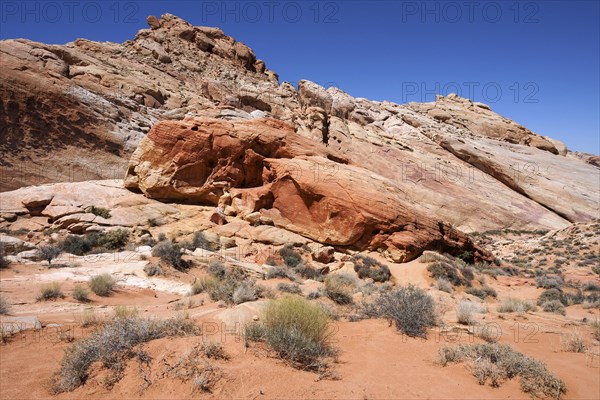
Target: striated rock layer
{"x":78,"y":111}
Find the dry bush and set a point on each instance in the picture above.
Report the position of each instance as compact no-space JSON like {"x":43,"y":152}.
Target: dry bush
{"x":573,"y":342}
{"x":495,"y":363}
{"x":215,"y":351}
{"x":510,"y":305}
{"x":102,"y":285}
{"x":51,"y":291}
{"x":49,"y":253}
{"x":430,"y":256}
{"x":88,"y":318}
{"x":368,"y":267}
{"x":280,"y":272}
{"x":409,"y":307}
{"x":289,"y":288}
{"x":111,"y":345}
{"x":4,"y":306}
{"x":464,"y":312}
{"x":296,"y":330}
{"x":340,"y":287}
{"x":554,"y":306}
{"x":595,"y":324}
{"x":442,"y":284}
{"x":153,"y":270}
{"x":290,"y":256}
{"x":170,"y":253}
{"x":80,"y":293}
{"x":553,"y":295}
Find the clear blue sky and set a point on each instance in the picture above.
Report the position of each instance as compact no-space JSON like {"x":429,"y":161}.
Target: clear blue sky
{"x":537,"y":62}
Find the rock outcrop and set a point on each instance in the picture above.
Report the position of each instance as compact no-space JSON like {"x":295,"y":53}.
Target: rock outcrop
{"x":453,"y":159}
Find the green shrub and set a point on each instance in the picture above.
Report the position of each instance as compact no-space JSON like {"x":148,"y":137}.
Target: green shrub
{"x":339,"y":288}
{"x":553,"y":295}
{"x":80,"y":293}
{"x":170,"y":253}
{"x":112,"y":345}
{"x":4,"y":306}
{"x":77,"y":245}
{"x":368,"y":267}
{"x":114,"y":240}
{"x":499,"y":362}
{"x":289,"y":288}
{"x":99,"y":211}
{"x":102,"y":285}
{"x":409,"y":307}
{"x":296,"y":330}
{"x":49,"y":253}
{"x":554,"y":306}
{"x":290,"y":257}
{"x":51,"y":291}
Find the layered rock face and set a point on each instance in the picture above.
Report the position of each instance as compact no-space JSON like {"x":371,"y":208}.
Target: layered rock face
{"x":78,"y":112}
{"x":299,"y":184}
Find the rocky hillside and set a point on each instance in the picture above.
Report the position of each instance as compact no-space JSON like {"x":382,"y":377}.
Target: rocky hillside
{"x":355,"y":167}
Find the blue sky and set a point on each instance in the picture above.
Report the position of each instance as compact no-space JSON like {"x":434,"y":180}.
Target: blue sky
{"x":536,"y":62}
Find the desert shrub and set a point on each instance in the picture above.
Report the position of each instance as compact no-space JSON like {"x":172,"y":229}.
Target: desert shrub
{"x":499,"y":362}
{"x":590,"y":287}
{"x":315,"y":294}
{"x":87,"y":318}
{"x":308,"y":272}
{"x":280,"y":272}
{"x":448,"y":271}
{"x":271,"y":261}
{"x":99,"y":211}
{"x":51,"y":291}
{"x":102,"y":285}
{"x":111,"y":346}
{"x":296,"y":330}
{"x":554,"y":306}
{"x":200,"y":241}
{"x":114,"y":240}
{"x":549,"y":282}
{"x":244,"y":292}
{"x":49,"y":253}
{"x":409,"y":307}
{"x":289,"y":288}
{"x":125,"y":312}
{"x":443,"y":285}
{"x":3,"y":261}
{"x":595,"y":324}
{"x":4,"y":306}
{"x":367,"y":267}
{"x":339,"y":288}
{"x":215,"y":351}
{"x":80,"y":293}
{"x":198,"y":286}
{"x":430,"y":256}
{"x":573,"y":342}
{"x":77,"y":245}
{"x":553,"y":295}
{"x":465,"y":311}
{"x":153,"y":270}
{"x":290,"y":257}
{"x":482,"y":292}
{"x":217,"y":269}
{"x":489,"y":333}
{"x":170,"y":253}
{"x":510,"y":305}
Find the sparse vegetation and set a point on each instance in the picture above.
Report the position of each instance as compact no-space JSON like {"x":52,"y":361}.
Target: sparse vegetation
{"x":339,"y":288}
{"x":296,"y":330}
{"x":290,"y":257}
{"x":289,"y":288}
{"x":510,"y":305}
{"x":442,"y":284}
{"x":215,"y":351}
{"x":3,"y":261}
{"x":99,"y":211}
{"x":114,"y":240}
{"x":409,"y":307}
{"x":573,"y":342}
{"x":280,"y":272}
{"x":549,"y":295}
{"x":217,"y":269}
{"x":451,"y":272}
{"x":153,"y":270}
{"x":595,"y":324}
{"x":170,"y":253}
{"x":4,"y":306}
{"x":49,"y":253}
{"x":465,"y":311}
{"x":495,"y":363}
{"x":112,"y":345}
{"x":80,"y":293}
{"x":51,"y":291}
{"x":549,"y":282}
{"x":244,"y":292}
{"x":102,"y":285}
{"x":482,"y":293}
{"x":554,"y":306}
{"x":368,"y":267}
